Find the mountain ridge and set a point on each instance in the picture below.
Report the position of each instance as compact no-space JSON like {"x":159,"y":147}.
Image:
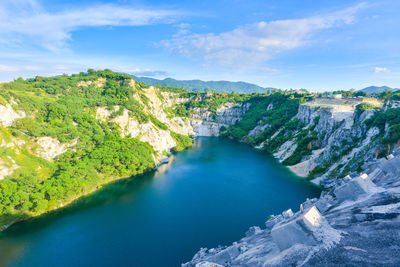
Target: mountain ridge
{"x":377,"y":89}
{"x":229,"y":86}
{"x":200,"y":85}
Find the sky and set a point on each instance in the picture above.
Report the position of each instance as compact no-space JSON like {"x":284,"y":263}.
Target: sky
{"x":317,"y":45}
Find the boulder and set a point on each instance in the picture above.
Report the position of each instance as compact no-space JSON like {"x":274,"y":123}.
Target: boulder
{"x":299,"y":230}
{"x":226,"y":255}
{"x":354,"y":188}
{"x":287,"y":213}
{"x":254,"y":230}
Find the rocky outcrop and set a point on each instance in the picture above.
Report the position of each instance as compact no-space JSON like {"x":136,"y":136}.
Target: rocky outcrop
{"x":286,"y":150}
{"x":391,"y":104}
{"x":160,"y":140}
{"x":50,"y":148}
{"x":202,"y":122}
{"x":304,"y":168}
{"x":8,"y":115}
{"x":7,"y":167}
{"x":259,"y":129}
{"x":231,"y":113}
{"x":206,"y":128}
{"x":206,"y":123}
{"x":98,"y":83}
{"x":355,"y":223}
{"x":340,"y":136}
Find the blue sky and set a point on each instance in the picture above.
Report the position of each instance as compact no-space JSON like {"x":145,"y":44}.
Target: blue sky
{"x":319,"y":45}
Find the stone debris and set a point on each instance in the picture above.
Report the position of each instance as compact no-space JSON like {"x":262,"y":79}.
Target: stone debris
{"x":208,"y":264}
{"x":287,"y":213}
{"x":254,"y":230}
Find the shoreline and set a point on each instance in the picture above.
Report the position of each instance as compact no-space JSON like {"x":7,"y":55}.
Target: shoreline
{"x":76,"y":198}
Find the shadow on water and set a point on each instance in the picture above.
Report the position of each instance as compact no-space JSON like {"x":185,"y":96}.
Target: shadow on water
{"x":108,"y":194}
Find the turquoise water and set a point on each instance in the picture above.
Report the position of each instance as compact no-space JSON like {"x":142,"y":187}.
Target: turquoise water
{"x":207,"y":196}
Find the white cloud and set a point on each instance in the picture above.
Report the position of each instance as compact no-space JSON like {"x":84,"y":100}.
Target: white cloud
{"x":7,"y":68}
{"x":380,"y":69}
{"x":151,"y":73}
{"x":33,"y":67}
{"x":21,"y":19}
{"x":257,"y":42}
{"x":142,"y":72}
{"x":13,"y":68}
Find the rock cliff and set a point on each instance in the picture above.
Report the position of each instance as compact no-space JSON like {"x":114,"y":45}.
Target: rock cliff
{"x":355,"y":223}
{"x":339,"y":140}
{"x":205,"y":123}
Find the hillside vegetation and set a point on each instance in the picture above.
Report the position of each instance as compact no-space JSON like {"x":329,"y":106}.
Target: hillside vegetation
{"x":62,"y":110}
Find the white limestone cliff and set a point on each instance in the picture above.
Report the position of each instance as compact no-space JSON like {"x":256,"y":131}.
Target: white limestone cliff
{"x":50,"y":148}
{"x":8,"y":115}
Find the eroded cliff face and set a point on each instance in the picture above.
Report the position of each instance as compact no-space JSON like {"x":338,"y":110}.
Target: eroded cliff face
{"x":339,"y":141}
{"x":201,"y":123}
{"x":205,"y":123}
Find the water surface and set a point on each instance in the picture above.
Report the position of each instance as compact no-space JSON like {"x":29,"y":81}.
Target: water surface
{"x":207,"y":196}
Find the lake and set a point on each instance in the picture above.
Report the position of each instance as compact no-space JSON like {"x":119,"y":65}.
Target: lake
{"x":206,"y":196}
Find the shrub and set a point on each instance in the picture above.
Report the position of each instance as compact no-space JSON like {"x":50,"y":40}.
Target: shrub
{"x":182,"y":141}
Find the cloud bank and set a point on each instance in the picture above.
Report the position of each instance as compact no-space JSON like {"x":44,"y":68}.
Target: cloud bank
{"x":257,"y":42}
{"x":27,"y":20}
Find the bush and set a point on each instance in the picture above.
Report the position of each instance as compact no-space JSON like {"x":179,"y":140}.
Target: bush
{"x":182,"y":141}
{"x":158,"y":123}
{"x":318,"y":170}
{"x":360,"y":108}
{"x":284,"y":108}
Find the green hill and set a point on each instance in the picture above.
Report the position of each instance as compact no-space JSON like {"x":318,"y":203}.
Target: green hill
{"x":377,"y":89}
{"x":199,"y":85}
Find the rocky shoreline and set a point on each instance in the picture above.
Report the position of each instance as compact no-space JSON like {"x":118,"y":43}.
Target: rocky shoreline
{"x":356,"y":223}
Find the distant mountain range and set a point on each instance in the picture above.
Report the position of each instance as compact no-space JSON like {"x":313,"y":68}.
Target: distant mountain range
{"x":198,"y":85}
{"x":227,"y":86}
{"x":377,"y":89}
